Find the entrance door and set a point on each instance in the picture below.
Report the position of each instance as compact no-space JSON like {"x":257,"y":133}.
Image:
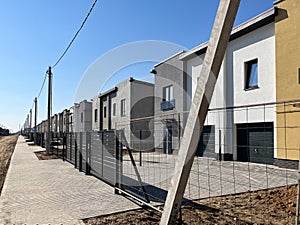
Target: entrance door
{"x":168,"y":140}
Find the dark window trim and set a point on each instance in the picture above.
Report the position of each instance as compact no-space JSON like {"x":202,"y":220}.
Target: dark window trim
{"x":247,"y":87}
{"x":104,"y":111}
{"x":96,"y":115}
{"x":298,"y":75}
{"x":114,"y":109}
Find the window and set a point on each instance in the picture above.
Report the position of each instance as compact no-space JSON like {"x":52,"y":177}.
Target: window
{"x":71,"y":119}
{"x":114,"y":109}
{"x":299,"y":76}
{"x":104,"y":111}
{"x":81,"y":117}
{"x":123,"y":107}
{"x":251,"y":74}
{"x":96,"y":115}
{"x":64,"y":120}
{"x":168,"y":93}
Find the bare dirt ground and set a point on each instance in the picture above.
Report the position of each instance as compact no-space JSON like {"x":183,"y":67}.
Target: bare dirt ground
{"x":41,"y":155}
{"x":275,"y":206}
{"x":7,"y":146}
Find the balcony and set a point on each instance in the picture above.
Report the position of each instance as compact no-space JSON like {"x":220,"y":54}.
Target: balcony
{"x":167,"y":105}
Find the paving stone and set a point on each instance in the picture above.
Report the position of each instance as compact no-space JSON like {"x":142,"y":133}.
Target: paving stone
{"x":53,"y":192}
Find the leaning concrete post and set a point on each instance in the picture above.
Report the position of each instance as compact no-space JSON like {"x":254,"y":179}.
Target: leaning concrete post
{"x":211,"y":67}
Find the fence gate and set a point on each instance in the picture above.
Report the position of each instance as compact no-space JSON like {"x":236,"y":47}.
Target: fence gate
{"x":103,"y":158}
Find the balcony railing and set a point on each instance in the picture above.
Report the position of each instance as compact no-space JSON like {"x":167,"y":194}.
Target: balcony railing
{"x":167,"y":105}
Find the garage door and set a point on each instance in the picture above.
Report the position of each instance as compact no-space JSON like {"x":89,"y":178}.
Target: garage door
{"x":255,"y":143}
{"x":206,"y":147}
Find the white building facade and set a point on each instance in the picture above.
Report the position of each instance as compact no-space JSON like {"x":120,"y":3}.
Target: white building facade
{"x":242,"y":116}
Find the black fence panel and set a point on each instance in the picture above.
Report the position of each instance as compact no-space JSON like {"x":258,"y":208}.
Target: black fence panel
{"x":103,"y":157}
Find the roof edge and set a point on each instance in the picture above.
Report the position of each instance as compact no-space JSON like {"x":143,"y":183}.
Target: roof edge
{"x":237,"y":32}
{"x":171,"y":57}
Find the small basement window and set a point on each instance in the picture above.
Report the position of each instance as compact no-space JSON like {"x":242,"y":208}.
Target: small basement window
{"x":251,"y":74}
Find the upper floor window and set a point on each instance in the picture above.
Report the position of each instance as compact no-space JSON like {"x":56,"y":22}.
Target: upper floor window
{"x":81,"y":117}
{"x":104,"y":111}
{"x":123,"y":113}
{"x":251,"y":74}
{"x":96,"y":115}
{"x":114,"y":109}
{"x":168,"y":93}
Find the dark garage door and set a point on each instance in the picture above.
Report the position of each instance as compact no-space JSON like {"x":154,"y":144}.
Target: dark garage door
{"x":255,"y":143}
{"x":206,"y":147}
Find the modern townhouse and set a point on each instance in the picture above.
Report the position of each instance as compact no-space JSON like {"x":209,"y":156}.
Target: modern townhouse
{"x":125,"y":107}
{"x":170,"y":102}
{"x":247,"y":77}
{"x":82,"y":116}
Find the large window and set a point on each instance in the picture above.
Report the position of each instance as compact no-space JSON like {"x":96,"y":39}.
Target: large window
{"x":81,"y":117}
{"x":251,"y":74}
{"x":123,"y":107}
{"x":168,"y":93}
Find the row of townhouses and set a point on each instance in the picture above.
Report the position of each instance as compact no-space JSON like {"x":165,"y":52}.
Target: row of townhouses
{"x":253,"y":115}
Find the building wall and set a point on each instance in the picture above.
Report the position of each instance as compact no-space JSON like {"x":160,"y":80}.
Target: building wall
{"x":66,"y":120}
{"x":230,"y":86}
{"x":124,"y":92}
{"x":75,"y":118}
{"x":96,"y":106}
{"x":83,"y":108}
{"x":141,"y":113}
{"x":71,"y":120}
{"x":169,"y":72}
{"x":287,"y":30}
{"x":105,"y":107}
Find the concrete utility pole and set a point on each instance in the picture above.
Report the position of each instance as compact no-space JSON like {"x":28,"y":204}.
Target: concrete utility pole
{"x":205,"y":87}
{"x":48,"y":140}
{"x":35,"y":118}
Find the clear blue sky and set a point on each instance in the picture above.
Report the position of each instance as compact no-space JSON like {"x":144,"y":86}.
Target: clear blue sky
{"x":34,"y":33}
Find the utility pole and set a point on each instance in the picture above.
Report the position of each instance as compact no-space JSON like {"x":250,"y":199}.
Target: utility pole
{"x":35,"y":118}
{"x":205,"y":87}
{"x":30,"y":118}
{"x":48,"y":140}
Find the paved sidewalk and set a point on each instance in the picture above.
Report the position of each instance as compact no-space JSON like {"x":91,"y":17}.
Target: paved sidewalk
{"x":53,"y":192}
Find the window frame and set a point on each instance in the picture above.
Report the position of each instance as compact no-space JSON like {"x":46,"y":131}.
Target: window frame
{"x":168,"y":93}
{"x":104,"y":111}
{"x":123,"y":107}
{"x":248,"y":73}
{"x":96,"y":115}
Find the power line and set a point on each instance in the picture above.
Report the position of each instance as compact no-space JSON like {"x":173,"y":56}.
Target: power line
{"x":66,"y":50}
{"x":42,"y":86}
{"x":73,"y":39}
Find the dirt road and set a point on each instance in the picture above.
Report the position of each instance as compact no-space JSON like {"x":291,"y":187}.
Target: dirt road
{"x":7,"y":146}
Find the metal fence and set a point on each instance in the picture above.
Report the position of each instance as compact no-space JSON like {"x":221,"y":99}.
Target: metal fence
{"x":245,"y":169}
